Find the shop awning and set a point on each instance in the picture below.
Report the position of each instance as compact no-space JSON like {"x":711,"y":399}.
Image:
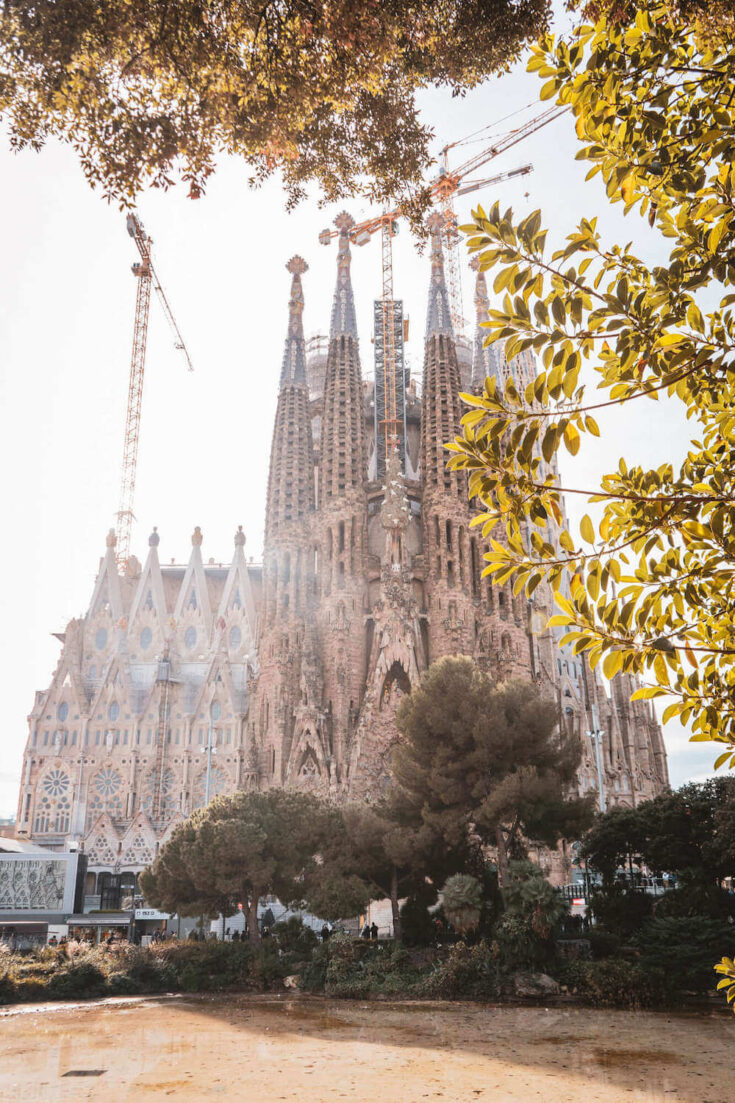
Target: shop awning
{"x":108,"y":919}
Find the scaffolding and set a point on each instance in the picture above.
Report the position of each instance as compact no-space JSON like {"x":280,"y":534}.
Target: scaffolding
{"x":390,"y":382}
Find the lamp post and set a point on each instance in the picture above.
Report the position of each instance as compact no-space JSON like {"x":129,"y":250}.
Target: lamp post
{"x":209,"y":750}
{"x":596,"y":736}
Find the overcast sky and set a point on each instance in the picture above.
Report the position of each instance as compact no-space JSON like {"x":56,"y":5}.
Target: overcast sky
{"x":66,"y":318}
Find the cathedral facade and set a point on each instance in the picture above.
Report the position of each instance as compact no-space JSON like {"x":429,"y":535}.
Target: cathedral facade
{"x":292,"y":671}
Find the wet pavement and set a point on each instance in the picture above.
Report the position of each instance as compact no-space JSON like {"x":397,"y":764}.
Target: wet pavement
{"x":313,"y":1050}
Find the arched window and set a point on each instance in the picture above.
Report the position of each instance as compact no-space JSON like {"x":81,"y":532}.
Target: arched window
{"x":53,"y":803}
{"x":396,"y":685}
{"x":105,"y":795}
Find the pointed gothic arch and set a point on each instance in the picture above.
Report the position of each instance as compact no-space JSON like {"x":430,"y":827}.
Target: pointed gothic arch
{"x":52,"y":806}
{"x":395,"y":685}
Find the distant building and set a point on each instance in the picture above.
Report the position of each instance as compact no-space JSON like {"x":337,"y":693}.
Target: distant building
{"x":371,"y":572}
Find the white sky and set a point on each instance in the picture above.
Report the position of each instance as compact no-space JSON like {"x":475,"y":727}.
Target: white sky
{"x":66,"y":318}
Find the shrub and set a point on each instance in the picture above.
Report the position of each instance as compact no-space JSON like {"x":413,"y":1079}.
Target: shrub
{"x":77,"y":978}
{"x":603,"y":943}
{"x":294,"y":938}
{"x":710,"y":901}
{"x":621,"y":911}
{"x":204,"y":966}
{"x":417,"y":922}
{"x":462,"y":902}
{"x":357,"y":969}
{"x":684,"y":948}
{"x":314,"y":976}
{"x":614,"y":982}
{"x":467,"y":972}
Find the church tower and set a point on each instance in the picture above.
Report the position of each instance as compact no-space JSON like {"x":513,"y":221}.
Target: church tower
{"x":445,"y":511}
{"x":342,"y":515}
{"x":288,"y":557}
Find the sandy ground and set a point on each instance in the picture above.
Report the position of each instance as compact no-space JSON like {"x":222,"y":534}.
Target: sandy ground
{"x":264,"y":1049}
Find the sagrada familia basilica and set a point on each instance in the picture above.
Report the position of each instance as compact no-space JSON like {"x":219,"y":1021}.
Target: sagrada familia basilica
{"x":294,"y":669}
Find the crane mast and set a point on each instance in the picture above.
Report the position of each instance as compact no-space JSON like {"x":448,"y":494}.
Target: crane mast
{"x":147,"y":277}
{"x":392,"y":427}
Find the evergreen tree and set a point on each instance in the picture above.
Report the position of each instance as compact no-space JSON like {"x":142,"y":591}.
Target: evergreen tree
{"x":484,"y":761}
{"x":241,"y":848}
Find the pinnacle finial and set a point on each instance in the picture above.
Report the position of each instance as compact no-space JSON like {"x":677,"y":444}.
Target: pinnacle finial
{"x":154,"y":539}
{"x":439,"y":315}
{"x":111,"y":539}
{"x":344,"y":320}
{"x":344,"y":222}
{"x":293,"y":367}
{"x":297,"y":266}
{"x":435,"y":222}
{"x":239,"y":537}
{"x":196,"y":537}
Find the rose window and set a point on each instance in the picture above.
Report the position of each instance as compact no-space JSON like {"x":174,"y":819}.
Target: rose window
{"x":218,"y":784}
{"x":108,"y":781}
{"x":56,"y":783}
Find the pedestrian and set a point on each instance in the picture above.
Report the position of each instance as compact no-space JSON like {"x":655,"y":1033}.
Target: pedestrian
{"x":374,"y":931}
{"x":365,"y":933}
{"x":53,"y":941}
{"x":325,"y":933}
{"x":235,"y":936}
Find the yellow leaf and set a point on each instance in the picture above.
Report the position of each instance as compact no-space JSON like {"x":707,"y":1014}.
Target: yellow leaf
{"x":587,"y":529}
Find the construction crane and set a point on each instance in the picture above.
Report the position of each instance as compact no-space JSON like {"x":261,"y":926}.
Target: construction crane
{"x":146,"y":275}
{"x":453,"y":183}
{"x":448,"y":185}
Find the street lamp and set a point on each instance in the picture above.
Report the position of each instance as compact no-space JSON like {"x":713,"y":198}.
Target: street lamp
{"x":596,"y":736}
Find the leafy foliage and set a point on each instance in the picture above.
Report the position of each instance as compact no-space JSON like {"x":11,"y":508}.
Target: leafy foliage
{"x":533,"y":912}
{"x":651,"y":586}
{"x":319,"y":91}
{"x":683,"y":947}
{"x":467,"y":972}
{"x":239,"y":849}
{"x":485,"y":764}
{"x":614,"y":982}
{"x":726,"y":969}
{"x":688,"y":832}
{"x":462,"y":901}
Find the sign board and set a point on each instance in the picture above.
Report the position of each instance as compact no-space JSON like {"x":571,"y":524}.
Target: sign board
{"x":150,"y":913}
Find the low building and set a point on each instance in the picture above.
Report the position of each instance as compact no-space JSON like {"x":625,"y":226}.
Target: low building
{"x":39,"y":889}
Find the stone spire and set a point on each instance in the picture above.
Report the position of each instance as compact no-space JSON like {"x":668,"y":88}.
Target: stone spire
{"x":344,"y":321}
{"x":485,"y":361}
{"x":291,"y":475}
{"x":441,"y":407}
{"x":438,"y":314}
{"x":293,"y":369}
{"x":342,"y":460}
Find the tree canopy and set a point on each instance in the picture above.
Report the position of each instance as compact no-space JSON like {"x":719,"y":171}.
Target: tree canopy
{"x":240,"y":848}
{"x":688,"y":832}
{"x":650,"y":585}
{"x":485,"y":761}
{"x":322,"y":92}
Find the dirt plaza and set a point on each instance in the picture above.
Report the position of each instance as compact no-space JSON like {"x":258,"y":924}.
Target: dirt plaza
{"x":313,"y":1050}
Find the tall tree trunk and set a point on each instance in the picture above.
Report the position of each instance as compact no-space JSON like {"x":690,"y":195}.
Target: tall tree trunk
{"x":397,"y":932}
{"x":502,"y":856}
{"x":254,"y":933}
